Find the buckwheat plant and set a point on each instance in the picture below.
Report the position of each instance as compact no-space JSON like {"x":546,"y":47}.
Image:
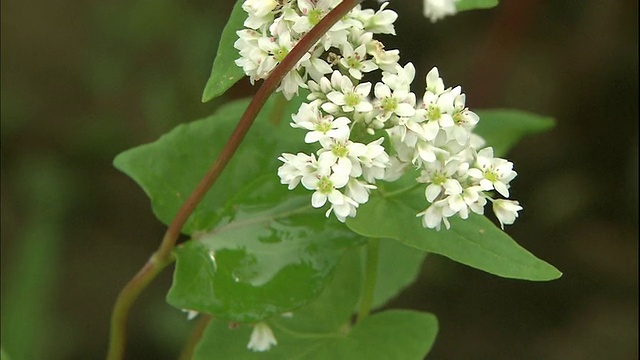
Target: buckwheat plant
{"x":339,"y":129}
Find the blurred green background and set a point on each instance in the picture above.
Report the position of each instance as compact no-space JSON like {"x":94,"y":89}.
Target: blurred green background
{"x":85,"y":80}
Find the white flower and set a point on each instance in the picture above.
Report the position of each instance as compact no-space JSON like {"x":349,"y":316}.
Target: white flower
{"x":321,"y":127}
{"x":354,"y":61}
{"x":316,"y":67}
{"x":191,"y":314}
{"x":401,"y":78}
{"x":312,"y":13}
{"x":433,"y":216}
{"x":439,"y":177}
{"x":492,"y":173}
{"x":262,"y":338}
{"x":259,"y":7}
{"x":435,"y":10}
{"x":464,"y":119}
{"x":343,"y":209}
{"x":399,"y":102}
{"x":382,"y":21}
{"x":325,"y":181}
{"x":349,"y":98}
{"x":296,"y":167}
{"x":506,"y":211}
{"x":259,"y":11}
{"x":438,"y":110}
{"x":435,"y":84}
{"x":358,"y":190}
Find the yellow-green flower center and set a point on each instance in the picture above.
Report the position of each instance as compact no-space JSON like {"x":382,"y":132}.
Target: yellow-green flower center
{"x":340,"y":150}
{"x":315,"y":16}
{"x":352,"y":99}
{"x":354,"y":62}
{"x":438,"y":178}
{"x":458,"y":119}
{"x":325,"y":185}
{"x":389,"y":104}
{"x":491,"y":176}
{"x":323,"y":126}
{"x":281,"y":53}
{"x":434,"y":113}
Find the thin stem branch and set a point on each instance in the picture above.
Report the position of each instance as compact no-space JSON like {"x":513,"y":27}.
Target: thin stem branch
{"x":196,"y":335}
{"x":125,"y":300}
{"x":370,"y":279}
{"x":402,"y":191}
{"x":163,"y":256}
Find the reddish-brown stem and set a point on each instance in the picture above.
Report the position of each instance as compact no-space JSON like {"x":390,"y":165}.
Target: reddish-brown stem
{"x":163,"y":256}
{"x":194,"y":339}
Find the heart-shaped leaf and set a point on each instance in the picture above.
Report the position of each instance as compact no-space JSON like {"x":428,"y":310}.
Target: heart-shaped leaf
{"x":270,"y":253}
{"x":170,"y":168}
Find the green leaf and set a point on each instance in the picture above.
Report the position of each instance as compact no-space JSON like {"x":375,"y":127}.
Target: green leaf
{"x":503,"y":128}
{"x":3,"y":355}
{"x":322,"y":330}
{"x":170,"y":168}
{"x":225,"y":72}
{"x":398,"y":267}
{"x":464,"y":5}
{"x":475,"y":242}
{"x":270,"y":253}
{"x":390,"y":335}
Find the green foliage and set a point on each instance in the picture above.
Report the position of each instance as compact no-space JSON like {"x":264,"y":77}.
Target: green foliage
{"x":258,"y":251}
{"x":269,"y":254}
{"x":29,"y":294}
{"x":225,"y":72}
{"x":503,"y":128}
{"x":169,"y":168}
{"x":322,"y":329}
{"x":398,"y":267}
{"x":463,"y":5}
{"x":475,"y":242}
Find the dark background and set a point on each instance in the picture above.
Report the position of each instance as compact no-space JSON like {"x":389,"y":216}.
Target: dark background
{"x":85,"y":80}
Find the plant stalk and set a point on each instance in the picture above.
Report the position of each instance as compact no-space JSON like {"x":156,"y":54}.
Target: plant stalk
{"x":370,"y":279}
{"x":190,"y":347}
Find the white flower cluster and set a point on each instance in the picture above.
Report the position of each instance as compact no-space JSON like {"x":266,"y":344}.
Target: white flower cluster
{"x":275,"y":26}
{"x":432,"y":134}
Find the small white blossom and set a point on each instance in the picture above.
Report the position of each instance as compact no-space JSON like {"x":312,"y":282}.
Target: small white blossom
{"x":385,"y":59}
{"x":382,"y":21}
{"x":435,"y":10}
{"x":262,"y":338}
{"x":295,"y":168}
{"x":435,"y":84}
{"x":433,"y":216}
{"x":492,"y":173}
{"x":437,"y":112}
{"x":321,"y":127}
{"x":506,"y":211}
{"x":191,"y":314}
{"x":399,"y":102}
{"x":349,"y":97}
{"x":354,"y":60}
